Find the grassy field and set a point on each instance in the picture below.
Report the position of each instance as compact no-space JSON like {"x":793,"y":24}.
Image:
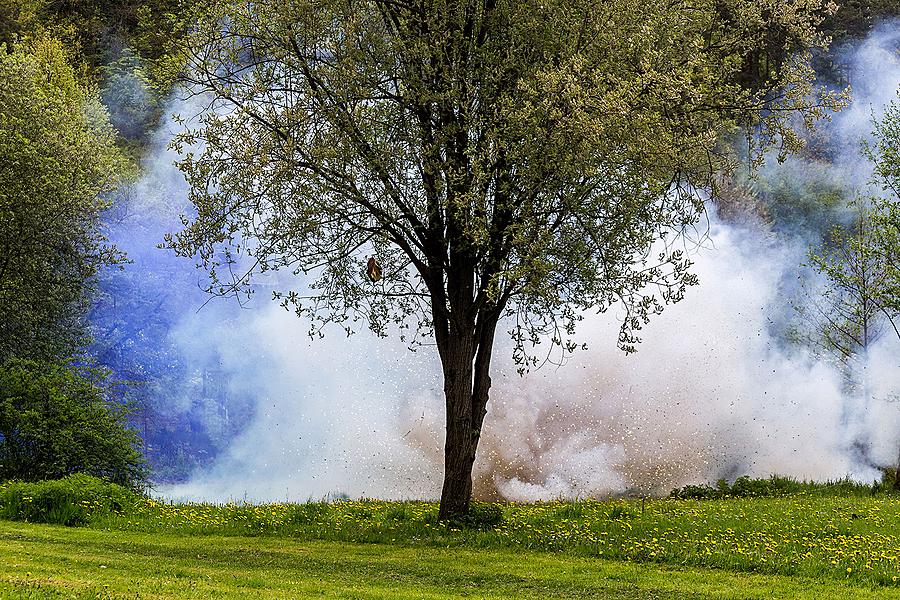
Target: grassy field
{"x":803,"y":545}
{"x":54,"y":562}
{"x":856,"y":538}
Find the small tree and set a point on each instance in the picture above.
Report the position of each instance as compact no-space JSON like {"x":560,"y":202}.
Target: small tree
{"x":884,"y":153}
{"x":852,"y":312}
{"x":498,"y":158}
{"x":848,"y":316}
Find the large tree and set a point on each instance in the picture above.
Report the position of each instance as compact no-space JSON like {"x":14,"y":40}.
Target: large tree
{"x":58,"y":162}
{"x":507,"y":163}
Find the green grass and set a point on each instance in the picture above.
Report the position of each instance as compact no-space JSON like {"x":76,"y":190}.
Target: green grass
{"x":49,"y":562}
{"x":840,"y":538}
{"x":840,"y":542}
{"x":73,"y":500}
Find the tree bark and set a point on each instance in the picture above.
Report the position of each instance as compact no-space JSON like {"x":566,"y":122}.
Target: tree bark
{"x":466,"y":362}
{"x":459,"y":459}
{"x":459,"y":446}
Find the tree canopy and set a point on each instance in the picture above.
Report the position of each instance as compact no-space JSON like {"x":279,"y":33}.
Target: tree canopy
{"x":558,"y":141}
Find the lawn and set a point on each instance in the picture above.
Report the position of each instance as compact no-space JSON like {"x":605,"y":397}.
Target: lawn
{"x":836,"y":537}
{"x":823,"y":542}
{"x":46,"y":561}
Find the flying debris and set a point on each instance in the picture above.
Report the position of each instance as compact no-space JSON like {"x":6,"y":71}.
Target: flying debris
{"x":373,"y":269}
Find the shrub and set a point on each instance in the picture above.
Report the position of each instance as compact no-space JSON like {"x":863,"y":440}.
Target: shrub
{"x":73,"y":500}
{"x":745,"y":487}
{"x":55,"y":421}
{"x":695,"y":492}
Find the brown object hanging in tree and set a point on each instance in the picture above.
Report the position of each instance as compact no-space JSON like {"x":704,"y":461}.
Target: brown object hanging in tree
{"x":373,"y":269}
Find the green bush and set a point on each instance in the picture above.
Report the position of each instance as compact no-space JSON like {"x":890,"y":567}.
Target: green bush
{"x":695,"y":492}
{"x":745,"y":487}
{"x":73,"y":500}
{"x":55,"y":421}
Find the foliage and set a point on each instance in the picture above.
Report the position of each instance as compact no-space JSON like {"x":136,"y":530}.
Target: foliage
{"x":853,"y":308}
{"x":58,"y":160}
{"x":72,"y":500}
{"x":855,"y":18}
{"x":128,"y":93}
{"x":19,"y":19}
{"x":884,"y":152}
{"x":802,"y":202}
{"x":129,"y":49}
{"x":54,"y":421}
{"x":847,"y":26}
{"x":96,"y":29}
{"x":137,"y":78}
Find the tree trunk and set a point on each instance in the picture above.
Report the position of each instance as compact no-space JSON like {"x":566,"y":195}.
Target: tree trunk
{"x":466,"y":362}
{"x":459,"y":458}
{"x":459,"y":446}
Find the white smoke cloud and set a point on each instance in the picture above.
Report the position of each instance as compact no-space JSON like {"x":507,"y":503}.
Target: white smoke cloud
{"x":874,"y":76}
{"x":710,"y":393}
{"x":329,"y":414}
